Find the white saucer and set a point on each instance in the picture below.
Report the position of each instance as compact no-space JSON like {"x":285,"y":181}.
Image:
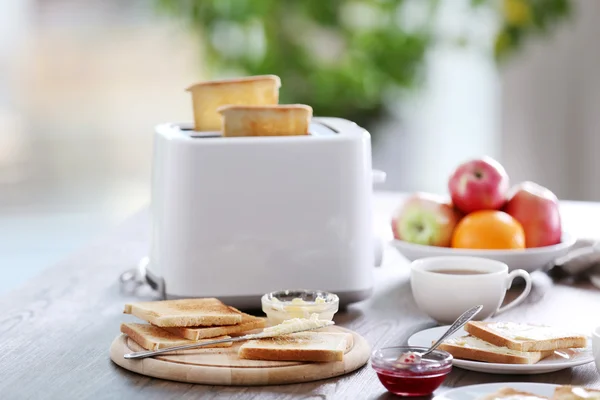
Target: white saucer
{"x":529,"y":259}
{"x":475,"y":392}
{"x":553,"y":363}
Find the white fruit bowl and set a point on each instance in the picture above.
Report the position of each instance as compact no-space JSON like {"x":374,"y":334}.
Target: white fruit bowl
{"x":528,"y":259}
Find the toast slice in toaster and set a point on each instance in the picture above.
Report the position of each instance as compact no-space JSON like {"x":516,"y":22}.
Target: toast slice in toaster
{"x":275,"y":120}
{"x":512,"y":394}
{"x":208,"y":96}
{"x":185,"y":312}
{"x":153,"y":338}
{"x":301,"y":346}
{"x":568,"y":392}
{"x":249,"y":323}
{"x":472,"y":348}
{"x":525,"y":337}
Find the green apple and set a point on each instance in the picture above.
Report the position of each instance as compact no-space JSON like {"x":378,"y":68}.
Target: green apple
{"x":425,"y":219}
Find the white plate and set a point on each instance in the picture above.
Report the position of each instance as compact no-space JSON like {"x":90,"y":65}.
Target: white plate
{"x":528,"y":259}
{"x":595,"y":280}
{"x":553,"y":363}
{"x":475,"y":392}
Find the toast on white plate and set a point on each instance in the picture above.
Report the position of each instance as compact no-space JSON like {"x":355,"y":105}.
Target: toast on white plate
{"x":568,"y":392}
{"x":273,"y":120}
{"x":186,"y":312}
{"x":208,"y":96}
{"x":248,"y":323}
{"x":301,"y":346}
{"x":151,"y":337}
{"x":475,"y":349}
{"x":512,"y":394}
{"x":525,"y":337}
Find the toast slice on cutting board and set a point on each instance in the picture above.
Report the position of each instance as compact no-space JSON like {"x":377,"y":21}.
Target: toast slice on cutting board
{"x":301,"y":346}
{"x":525,"y":337}
{"x":186,"y":312}
{"x":472,"y":348}
{"x":512,"y":394}
{"x":567,"y":392}
{"x":151,"y":337}
{"x":208,"y":96}
{"x":273,"y":120}
{"x":248,"y":323}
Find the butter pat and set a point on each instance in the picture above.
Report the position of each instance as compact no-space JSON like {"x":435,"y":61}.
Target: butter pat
{"x":296,"y":325}
{"x":516,"y":397}
{"x":476,"y":343}
{"x":295,"y":305}
{"x":509,"y":393}
{"x":568,"y":392}
{"x":519,"y":331}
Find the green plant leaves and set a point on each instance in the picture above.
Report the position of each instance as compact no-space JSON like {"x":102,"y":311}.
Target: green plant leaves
{"x":342,"y":56}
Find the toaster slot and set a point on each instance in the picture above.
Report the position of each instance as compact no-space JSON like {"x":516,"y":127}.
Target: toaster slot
{"x":321,"y":129}
{"x":202,"y":135}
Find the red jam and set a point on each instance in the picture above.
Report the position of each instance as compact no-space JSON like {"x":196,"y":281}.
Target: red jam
{"x":402,"y":371}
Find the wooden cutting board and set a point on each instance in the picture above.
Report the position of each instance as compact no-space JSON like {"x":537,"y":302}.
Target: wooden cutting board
{"x":223,"y":367}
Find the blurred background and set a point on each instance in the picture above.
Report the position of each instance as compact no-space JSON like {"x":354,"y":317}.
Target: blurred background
{"x":82,"y":84}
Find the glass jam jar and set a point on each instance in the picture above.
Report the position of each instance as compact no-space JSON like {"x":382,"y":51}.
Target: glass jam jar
{"x":403,"y":372}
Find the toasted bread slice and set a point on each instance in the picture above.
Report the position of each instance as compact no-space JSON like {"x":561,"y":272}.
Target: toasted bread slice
{"x":151,"y":337}
{"x":275,"y":120}
{"x":249,"y":322}
{"x":568,"y":392}
{"x":472,"y":348}
{"x":208,"y":96}
{"x":512,"y":394}
{"x":301,"y":346}
{"x":185,"y":312}
{"x":525,"y":337}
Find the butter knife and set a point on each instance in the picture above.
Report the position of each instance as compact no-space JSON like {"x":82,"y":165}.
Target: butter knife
{"x":261,"y":335}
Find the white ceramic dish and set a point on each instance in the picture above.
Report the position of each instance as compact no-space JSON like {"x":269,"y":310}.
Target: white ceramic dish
{"x":556,"y":362}
{"x":529,"y":259}
{"x":596,"y":346}
{"x":475,"y":392}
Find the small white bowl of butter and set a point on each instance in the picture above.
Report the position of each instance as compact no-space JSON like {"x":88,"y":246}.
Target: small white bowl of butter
{"x":283,"y":305}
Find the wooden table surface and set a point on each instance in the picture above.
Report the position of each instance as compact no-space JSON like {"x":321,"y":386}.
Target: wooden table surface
{"x":56,"y":330}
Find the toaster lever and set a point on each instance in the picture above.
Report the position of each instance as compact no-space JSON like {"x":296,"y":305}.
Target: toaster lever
{"x":134,"y":278}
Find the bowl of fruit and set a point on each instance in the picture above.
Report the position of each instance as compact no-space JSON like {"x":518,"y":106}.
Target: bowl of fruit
{"x":483,"y":216}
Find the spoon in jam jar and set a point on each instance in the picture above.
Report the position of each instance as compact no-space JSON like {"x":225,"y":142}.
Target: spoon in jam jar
{"x":415,"y":357}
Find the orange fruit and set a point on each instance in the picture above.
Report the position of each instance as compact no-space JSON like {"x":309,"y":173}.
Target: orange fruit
{"x":489,"y":230}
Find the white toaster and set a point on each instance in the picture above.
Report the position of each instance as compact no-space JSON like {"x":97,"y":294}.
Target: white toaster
{"x":238,"y":217}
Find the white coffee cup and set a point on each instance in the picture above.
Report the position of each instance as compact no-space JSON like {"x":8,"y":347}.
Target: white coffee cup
{"x":596,"y":347}
{"x":444,"y":294}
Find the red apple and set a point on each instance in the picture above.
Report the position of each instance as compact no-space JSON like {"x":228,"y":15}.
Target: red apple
{"x":479,"y":184}
{"x":536,"y":208}
{"x":425,"y":219}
